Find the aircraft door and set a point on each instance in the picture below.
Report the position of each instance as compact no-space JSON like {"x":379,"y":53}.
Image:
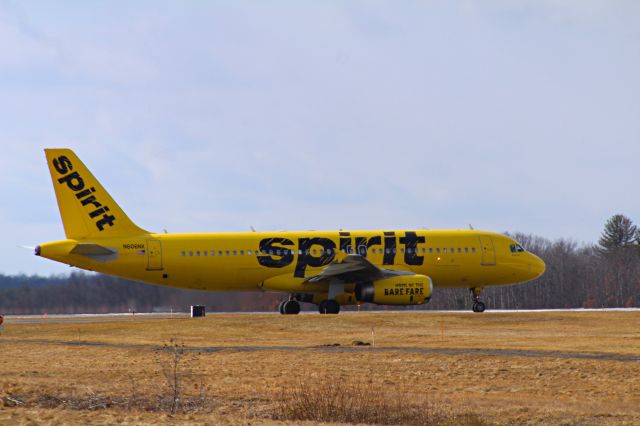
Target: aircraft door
{"x":488,"y":251}
{"x":154,"y":255}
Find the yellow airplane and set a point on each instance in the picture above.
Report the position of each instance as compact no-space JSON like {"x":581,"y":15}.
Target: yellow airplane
{"x":326,"y":268}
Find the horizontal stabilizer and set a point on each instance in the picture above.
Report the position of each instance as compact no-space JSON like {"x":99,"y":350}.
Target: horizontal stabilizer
{"x":95,"y":251}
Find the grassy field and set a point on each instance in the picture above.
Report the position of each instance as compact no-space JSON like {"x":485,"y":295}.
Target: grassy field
{"x":452,"y":368}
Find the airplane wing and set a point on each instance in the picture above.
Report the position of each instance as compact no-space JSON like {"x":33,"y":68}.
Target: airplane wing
{"x":354,"y":268}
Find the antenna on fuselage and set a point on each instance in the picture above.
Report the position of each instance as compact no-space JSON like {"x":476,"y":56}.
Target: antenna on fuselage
{"x":252,"y":228}
{"x":470,"y":227}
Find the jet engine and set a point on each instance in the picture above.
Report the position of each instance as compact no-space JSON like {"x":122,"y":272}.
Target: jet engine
{"x":399,"y":290}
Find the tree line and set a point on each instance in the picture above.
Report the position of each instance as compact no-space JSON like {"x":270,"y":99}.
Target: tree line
{"x":606,"y":274}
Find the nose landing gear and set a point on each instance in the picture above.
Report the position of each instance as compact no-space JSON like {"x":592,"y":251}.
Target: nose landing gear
{"x":478,"y":306}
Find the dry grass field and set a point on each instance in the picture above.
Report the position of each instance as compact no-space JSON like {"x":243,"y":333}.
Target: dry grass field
{"x":419,"y":367}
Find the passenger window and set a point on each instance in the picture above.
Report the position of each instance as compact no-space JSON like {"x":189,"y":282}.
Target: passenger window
{"x":430,"y":249}
{"x":190,"y":253}
{"x":314,"y":251}
{"x":444,"y":250}
{"x":401,"y":250}
{"x":424,"y":250}
{"x":220,"y":253}
{"x":466,"y":249}
{"x":453,"y":250}
{"x":205,"y":253}
{"x":241,"y":252}
{"x":249,"y":253}
{"x":235,"y":252}
{"x":184,"y":253}
{"x":459,"y":250}
{"x":213,"y":252}
{"x":473,"y":249}
{"x":437,"y":250}
{"x":227,"y":252}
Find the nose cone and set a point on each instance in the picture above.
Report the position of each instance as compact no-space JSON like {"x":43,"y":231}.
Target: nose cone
{"x":536,"y":266}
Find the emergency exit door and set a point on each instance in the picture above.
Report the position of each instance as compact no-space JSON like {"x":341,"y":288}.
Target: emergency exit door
{"x":154,"y":255}
{"x":488,"y":251}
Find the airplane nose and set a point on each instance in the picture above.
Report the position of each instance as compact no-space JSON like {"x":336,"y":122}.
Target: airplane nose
{"x":536,"y":266}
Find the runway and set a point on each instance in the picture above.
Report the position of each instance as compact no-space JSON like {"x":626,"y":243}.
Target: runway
{"x":341,"y":349}
{"x":154,"y":316}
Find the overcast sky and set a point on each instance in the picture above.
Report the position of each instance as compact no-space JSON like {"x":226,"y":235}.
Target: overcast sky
{"x":215,"y":116}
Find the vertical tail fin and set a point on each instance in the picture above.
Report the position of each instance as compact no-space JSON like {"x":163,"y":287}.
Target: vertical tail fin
{"x":86,"y":208}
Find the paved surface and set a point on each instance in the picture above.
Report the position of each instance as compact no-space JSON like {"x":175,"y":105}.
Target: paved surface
{"x":345,"y":349}
{"x":88,"y":319}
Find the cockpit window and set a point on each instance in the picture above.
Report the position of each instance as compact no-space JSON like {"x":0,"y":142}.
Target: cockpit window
{"x":516,"y":248}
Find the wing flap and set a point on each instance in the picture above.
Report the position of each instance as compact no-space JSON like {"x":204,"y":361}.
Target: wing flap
{"x":354,"y":268}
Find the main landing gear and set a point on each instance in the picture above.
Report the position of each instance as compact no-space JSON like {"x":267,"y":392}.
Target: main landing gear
{"x":478,"y":306}
{"x":329,"y":306}
{"x":289,"y":307}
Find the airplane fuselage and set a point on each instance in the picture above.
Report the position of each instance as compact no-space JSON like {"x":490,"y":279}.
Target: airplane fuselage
{"x":246,"y":260}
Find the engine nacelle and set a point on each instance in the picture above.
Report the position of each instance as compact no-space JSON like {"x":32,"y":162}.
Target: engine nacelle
{"x":401,"y":290}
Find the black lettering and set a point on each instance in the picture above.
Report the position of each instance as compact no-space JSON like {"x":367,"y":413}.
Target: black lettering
{"x":411,"y":241}
{"x":62,"y":165}
{"x":327,"y":254}
{"x":106,"y":220}
{"x":268,"y":245}
{"x":363,"y":244}
{"x":98,"y":212}
{"x":68,"y":179}
{"x":389,"y":248}
{"x":84,"y":193}
{"x":345,"y":242}
{"x":91,"y":200}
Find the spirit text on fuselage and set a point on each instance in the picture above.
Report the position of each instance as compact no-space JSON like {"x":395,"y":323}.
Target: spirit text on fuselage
{"x":279,"y":252}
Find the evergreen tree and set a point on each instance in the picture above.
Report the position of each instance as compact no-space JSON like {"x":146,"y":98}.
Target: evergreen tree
{"x":618,"y":232}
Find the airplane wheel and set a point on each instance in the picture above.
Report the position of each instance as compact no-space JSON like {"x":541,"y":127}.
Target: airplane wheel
{"x":281,"y":307}
{"x":291,"y":307}
{"x":479,"y":307}
{"x":329,"y":307}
